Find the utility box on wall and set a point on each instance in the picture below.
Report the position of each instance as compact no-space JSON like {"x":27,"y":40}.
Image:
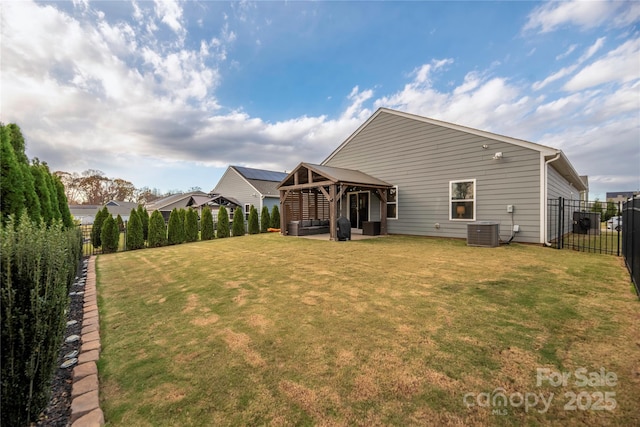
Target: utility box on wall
{"x":483,"y":233}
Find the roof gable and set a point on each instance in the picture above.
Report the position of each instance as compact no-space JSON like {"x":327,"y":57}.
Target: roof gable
{"x":308,"y":174}
{"x":563,"y":165}
{"x":547,"y":151}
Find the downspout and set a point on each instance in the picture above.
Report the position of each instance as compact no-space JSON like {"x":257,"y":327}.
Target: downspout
{"x":546,"y":196}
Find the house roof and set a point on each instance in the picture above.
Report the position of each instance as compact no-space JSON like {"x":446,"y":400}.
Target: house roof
{"x":174,"y":198}
{"x":264,"y":181}
{"x":321,"y":173}
{"x":562,"y":164}
{"x":260,"y":174}
{"x":115,"y":207}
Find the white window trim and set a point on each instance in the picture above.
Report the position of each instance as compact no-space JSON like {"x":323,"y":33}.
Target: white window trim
{"x":394,"y":203}
{"x":247,"y":209}
{"x":451,"y":218}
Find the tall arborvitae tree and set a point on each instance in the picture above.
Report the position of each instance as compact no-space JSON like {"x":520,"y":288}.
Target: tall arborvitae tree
{"x":12,"y":200}
{"x":157,"y":230}
{"x":53,"y":192}
{"x":176,"y":228}
{"x":67,"y":218}
{"x":17,"y":142}
{"x":206,"y":225}
{"x":120,"y":223}
{"x":223,"y":223}
{"x":109,"y":235}
{"x":42,"y":190}
{"x":31,"y":200}
{"x":254,"y":225}
{"x":135,"y":238}
{"x":275,"y":217}
{"x":96,"y":229}
{"x":144,"y":218}
{"x":265,"y":219}
{"x":191,"y":226}
{"x":238,"y":223}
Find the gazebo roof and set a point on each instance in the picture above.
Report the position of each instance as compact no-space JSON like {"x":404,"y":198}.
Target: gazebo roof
{"x":307,"y":175}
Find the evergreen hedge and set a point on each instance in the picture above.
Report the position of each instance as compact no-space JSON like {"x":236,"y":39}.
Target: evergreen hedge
{"x":223,"y":223}
{"x":191,"y":226}
{"x":254,"y":226}
{"x":144,"y":218}
{"x":157,"y":230}
{"x":206,"y":227}
{"x":135,"y":237}
{"x":265,"y":219}
{"x":110,"y":235}
{"x":275,"y":217}
{"x":238,"y":223}
{"x":96,"y":229}
{"x":38,"y":265}
{"x":176,"y":227}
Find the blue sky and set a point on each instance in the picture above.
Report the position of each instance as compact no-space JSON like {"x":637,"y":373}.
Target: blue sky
{"x":167,"y":94}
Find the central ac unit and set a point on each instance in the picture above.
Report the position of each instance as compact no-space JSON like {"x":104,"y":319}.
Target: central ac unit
{"x":483,"y":233}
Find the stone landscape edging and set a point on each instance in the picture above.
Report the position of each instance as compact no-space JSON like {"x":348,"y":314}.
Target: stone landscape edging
{"x":85,"y":400}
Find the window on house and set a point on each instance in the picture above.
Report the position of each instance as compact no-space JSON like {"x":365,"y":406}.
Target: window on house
{"x":462,"y":197}
{"x":247,"y":209}
{"x":392,"y":203}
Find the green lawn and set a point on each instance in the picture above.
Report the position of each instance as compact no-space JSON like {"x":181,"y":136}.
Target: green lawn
{"x":273,"y":330}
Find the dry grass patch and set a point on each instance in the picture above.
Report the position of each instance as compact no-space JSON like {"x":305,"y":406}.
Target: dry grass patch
{"x":268,"y":330}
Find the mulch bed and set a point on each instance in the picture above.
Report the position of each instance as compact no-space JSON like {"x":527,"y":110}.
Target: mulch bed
{"x":58,"y":412}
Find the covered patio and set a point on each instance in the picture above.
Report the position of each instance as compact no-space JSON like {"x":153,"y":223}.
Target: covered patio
{"x":313,"y":197}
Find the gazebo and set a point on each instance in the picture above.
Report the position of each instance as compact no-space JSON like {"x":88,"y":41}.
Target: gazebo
{"x":316,"y":192}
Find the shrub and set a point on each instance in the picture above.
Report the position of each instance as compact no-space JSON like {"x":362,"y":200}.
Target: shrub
{"x":38,"y":265}
{"x":265,"y":219}
{"x":42,"y":191}
{"x":275,"y":217}
{"x":223,"y":223}
{"x":254,"y":226}
{"x":191,"y":226}
{"x":237,"y":229}
{"x":206,"y":227}
{"x":134,"y":231}
{"x":67,"y":218}
{"x":12,"y":200}
{"x":176,"y":227}
{"x":144,"y":218}
{"x":110,"y":235}
{"x":120,"y":223}
{"x":157,"y":230}
{"x":96,"y":230}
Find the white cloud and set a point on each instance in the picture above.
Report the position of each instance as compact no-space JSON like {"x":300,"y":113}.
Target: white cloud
{"x":170,"y":12}
{"x":585,"y":14}
{"x":570,"y":69}
{"x":568,"y":52}
{"x":619,"y":65}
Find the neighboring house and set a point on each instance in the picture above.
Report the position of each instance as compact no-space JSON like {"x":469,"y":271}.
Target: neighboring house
{"x":621,"y":196}
{"x":440,"y":176}
{"x":248,"y":186}
{"x":197,"y":200}
{"x":87,"y":213}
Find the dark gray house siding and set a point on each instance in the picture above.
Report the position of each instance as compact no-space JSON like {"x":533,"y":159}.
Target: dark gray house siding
{"x":421,"y":158}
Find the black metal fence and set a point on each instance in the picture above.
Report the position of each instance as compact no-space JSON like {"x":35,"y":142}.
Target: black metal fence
{"x":89,"y":249}
{"x":585,"y":226}
{"x":631,"y":239}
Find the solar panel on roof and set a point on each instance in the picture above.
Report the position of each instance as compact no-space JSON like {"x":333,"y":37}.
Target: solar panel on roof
{"x":261,"y":174}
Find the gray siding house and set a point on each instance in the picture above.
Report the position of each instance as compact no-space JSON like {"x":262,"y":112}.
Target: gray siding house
{"x":248,"y":186}
{"x":446,"y":176}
